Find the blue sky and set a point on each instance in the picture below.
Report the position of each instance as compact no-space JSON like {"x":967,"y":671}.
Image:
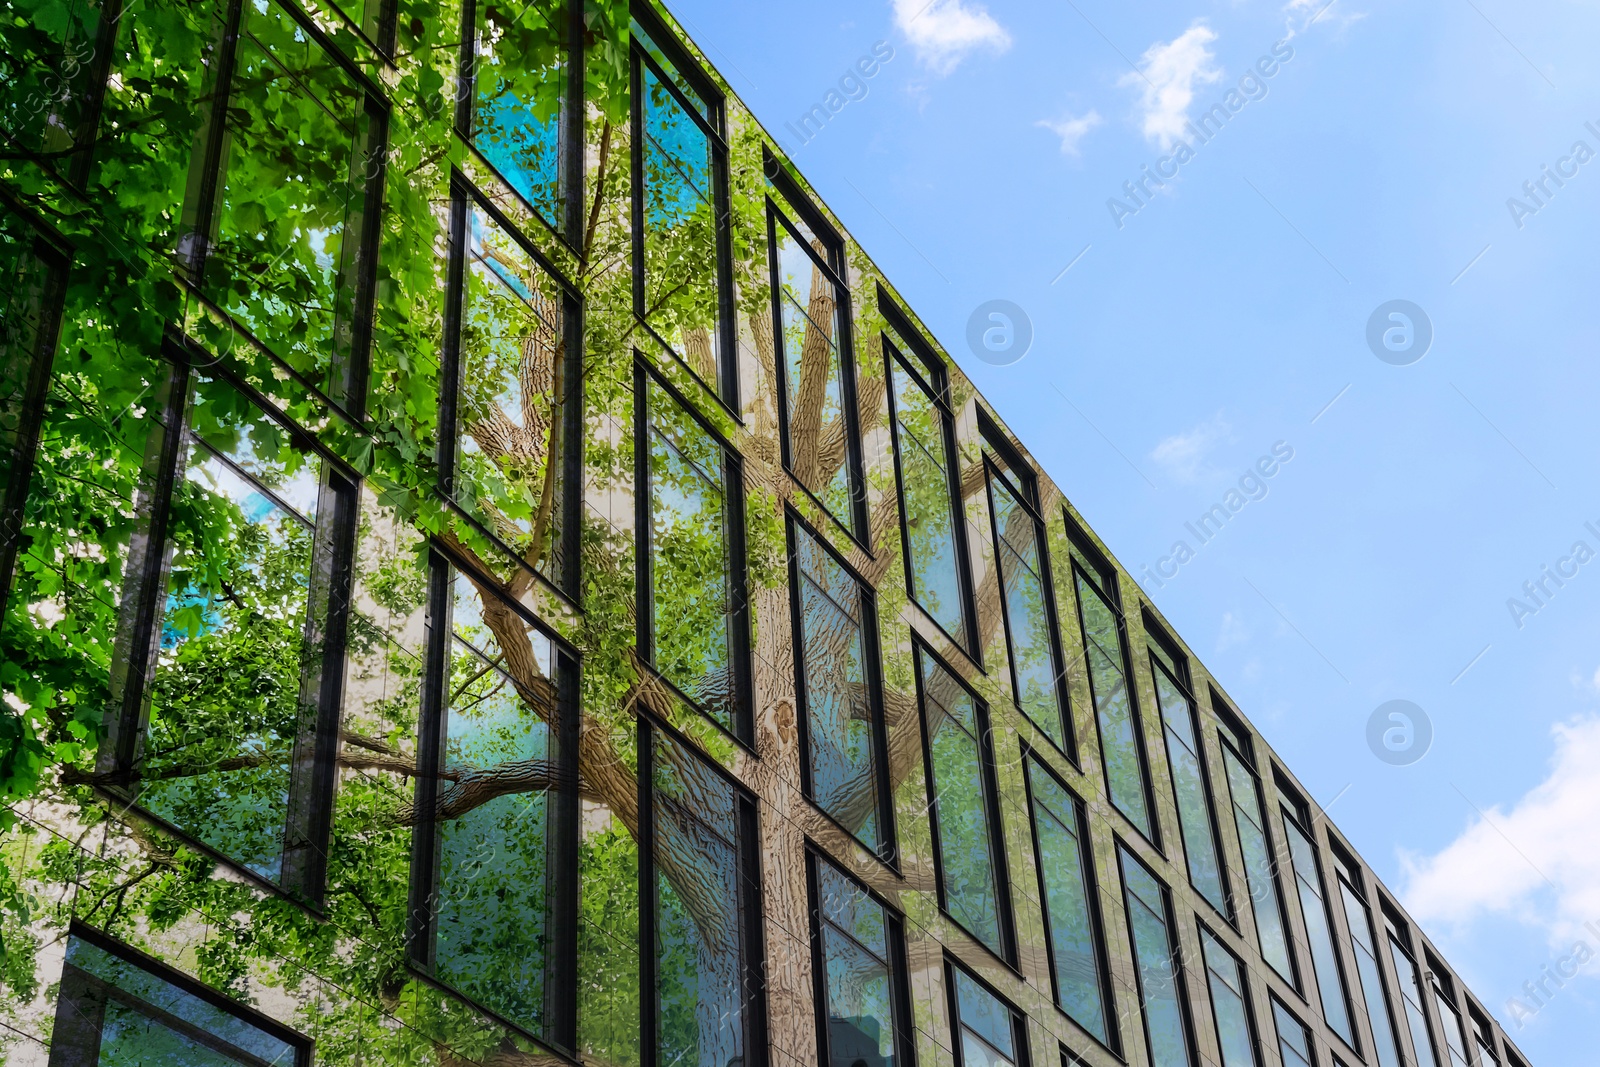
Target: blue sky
{"x":1226,"y":313}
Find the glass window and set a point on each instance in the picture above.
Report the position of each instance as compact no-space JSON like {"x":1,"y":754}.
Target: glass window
{"x":1024,"y":584}
{"x":1294,"y":1040}
{"x":287,"y":230}
{"x":966,"y":822}
{"x":704,"y":928}
{"x":1230,"y":1002}
{"x":936,"y":567}
{"x":1486,"y":1057}
{"x":1260,"y":868}
{"x":989,"y":1032}
{"x":835,"y":651}
{"x":519,"y":79}
{"x":1114,"y":707}
{"x":816,"y":410}
{"x":692,"y":537}
{"x":681,"y":244}
{"x":115,"y":1012}
{"x":1370,"y":976}
{"x":1454,"y":1038}
{"x":493,"y":908}
{"x":1405,"y":970}
{"x":858,"y":944}
{"x":512,"y":381}
{"x":1190,"y":787}
{"x":1066,"y":886}
{"x":1157,"y":961}
{"x":235,"y":651}
{"x":1325,"y":963}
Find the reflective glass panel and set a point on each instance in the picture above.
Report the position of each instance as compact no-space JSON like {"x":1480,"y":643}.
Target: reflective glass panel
{"x":520,"y":75}
{"x":1319,"y":930}
{"x":969,"y":842}
{"x":935,"y":576}
{"x":699,"y":943}
{"x":1294,"y":1040}
{"x":1260,"y":869}
{"x":1155,"y":952}
{"x":860,"y":984}
{"x":1454,"y":1040}
{"x":1068,"y":892}
{"x":1113,"y":703}
{"x":841,"y":710}
{"x":1033,"y":655}
{"x":1411,"y":996}
{"x":987,"y":1030}
{"x":1370,"y":977}
{"x":1189,"y":786}
{"x":1229,"y":1003}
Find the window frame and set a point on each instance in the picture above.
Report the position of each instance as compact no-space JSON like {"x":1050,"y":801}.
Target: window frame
{"x":726,"y":388}
{"x":933,"y":378}
{"x":1019,"y":1019}
{"x":566,"y":579}
{"x":899,"y":968}
{"x":1024,"y":486}
{"x":752,"y":927}
{"x":645,"y":378}
{"x":1397,"y":934}
{"x":794,"y":523}
{"x":1251,"y":1023}
{"x":994,"y":822}
{"x":1183,"y":680}
{"x":1347,"y":878}
{"x":1180,"y":981}
{"x":1295,"y":813}
{"x":155,"y":968}
{"x":1085,"y":559}
{"x":1310,"y":1035}
{"x":1092,"y":891}
{"x":785,"y":202}
{"x":444,"y":566}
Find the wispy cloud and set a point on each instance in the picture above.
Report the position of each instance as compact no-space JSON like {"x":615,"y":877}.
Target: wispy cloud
{"x":1528,"y":862}
{"x":1183,"y":455}
{"x":1071,"y":130}
{"x":1168,"y":74}
{"x":944,"y":32}
{"x":1300,"y":15}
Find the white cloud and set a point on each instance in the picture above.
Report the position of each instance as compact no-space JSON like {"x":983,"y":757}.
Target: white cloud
{"x":1301,"y":14}
{"x":944,"y":32}
{"x":1183,"y":455}
{"x":1233,"y":633}
{"x":1168,"y":74}
{"x":1071,"y":130}
{"x":1534,"y":862}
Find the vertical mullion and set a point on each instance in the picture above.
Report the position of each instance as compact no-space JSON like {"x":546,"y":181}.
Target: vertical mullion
{"x":562,"y":844}
{"x":649,"y":995}
{"x":430,"y":758}
{"x":205,"y":167}
{"x":450,"y":350}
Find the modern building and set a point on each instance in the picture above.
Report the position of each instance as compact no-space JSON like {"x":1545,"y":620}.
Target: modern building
{"x":494,"y":575}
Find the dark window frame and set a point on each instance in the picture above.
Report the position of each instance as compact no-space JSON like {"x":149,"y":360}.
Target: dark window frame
{"x":646,"y":376}
{"x":726,"y":388}
{"x":932,"y":376}
{"x":308,"y":812}
{"x":888,"y":852}
{"x":345,"y":391}
{"x":1289,"y":803}
{"x":1103,"y":580}
{"x":564,"y":819}
{"x":899,"y":967}
{"x":1180,"y":980}
{"x":565,"y":580}
{"x":993,"y":819}
{"x":1154,"y":629}
{"x":569,"y":228}
{"x":1277,"y":1003}
{"x":1019,"y":1019}
{"x":752,"y":927}
{"x":1021,"y":481}
{"x":794,"y":202}
{"x":99,"y":939}
{"x":1349,"y":875}
{"x":1246,"y":995}
{"x":1092,"y":891}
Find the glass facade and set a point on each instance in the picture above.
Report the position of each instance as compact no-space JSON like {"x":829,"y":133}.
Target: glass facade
{"x":492,"y":573}
{"x":1325,"y":964}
